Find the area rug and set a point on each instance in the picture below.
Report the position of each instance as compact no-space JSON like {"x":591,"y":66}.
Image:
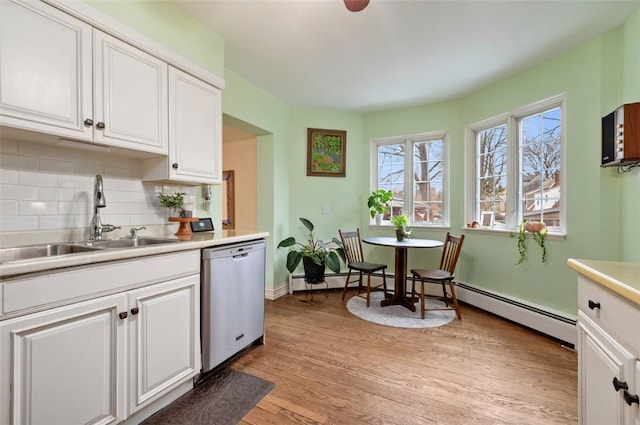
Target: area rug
{"x":222,"y":398}
{"x":398,"y":316}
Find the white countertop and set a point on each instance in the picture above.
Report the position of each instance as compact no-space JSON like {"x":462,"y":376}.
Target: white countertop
{"x":194,"y":241}
{"x":621,"y":278}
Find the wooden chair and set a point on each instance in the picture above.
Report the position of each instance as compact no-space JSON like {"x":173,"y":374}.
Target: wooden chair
{"x":355,"y":261}
{"x":443,"y":275}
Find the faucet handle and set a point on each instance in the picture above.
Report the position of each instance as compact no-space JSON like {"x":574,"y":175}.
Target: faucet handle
{"x":134,"y":231}
{"x":110,"y":227}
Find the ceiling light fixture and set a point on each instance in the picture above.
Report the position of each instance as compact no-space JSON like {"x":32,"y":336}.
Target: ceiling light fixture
{"x":356,"y":5}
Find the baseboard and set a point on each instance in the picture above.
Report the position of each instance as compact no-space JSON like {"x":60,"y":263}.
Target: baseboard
{"x":557,"y":325}
{"x":541,"y":319}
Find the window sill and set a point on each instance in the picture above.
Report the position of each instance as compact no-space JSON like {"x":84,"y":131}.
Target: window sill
{"x":510,"y":233}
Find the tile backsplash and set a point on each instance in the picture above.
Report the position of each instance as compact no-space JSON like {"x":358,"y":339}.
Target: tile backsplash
{"x":47,"y":187}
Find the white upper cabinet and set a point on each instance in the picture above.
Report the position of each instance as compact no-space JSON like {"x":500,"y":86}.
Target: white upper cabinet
{"x":45,"y":70}
{"x":195,"y":133}
{"x":130,"y":96}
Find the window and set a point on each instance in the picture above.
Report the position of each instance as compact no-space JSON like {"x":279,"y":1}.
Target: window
{"x":517,"y":168}
{"x":418,"y":181}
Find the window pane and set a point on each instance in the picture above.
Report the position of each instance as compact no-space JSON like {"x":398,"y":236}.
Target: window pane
{"x":491,"y":160}
{"x":540,"y":174}
{"x":428,"y":174}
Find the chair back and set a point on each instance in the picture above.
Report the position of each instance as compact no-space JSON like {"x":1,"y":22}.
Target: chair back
{"x":451,"y":252}
{"x":352,"y":246}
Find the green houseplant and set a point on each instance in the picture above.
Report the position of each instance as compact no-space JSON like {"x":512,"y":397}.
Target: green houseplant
{"x":173,"y":202}
{"x":401,"y":222}
{"x":538,"y":230}
{"x":379,"y":202}
{"x":314,"y":253}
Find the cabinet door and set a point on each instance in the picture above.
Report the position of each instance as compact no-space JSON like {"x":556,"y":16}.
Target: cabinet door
{"x":64,"y":366}
{"x":195,"y":129}
{"x":600,"y":360}
{"x":45,"y":70}
{"x":130,"y":97}
{"x":635,"y":407}
{"x":164,"y":338}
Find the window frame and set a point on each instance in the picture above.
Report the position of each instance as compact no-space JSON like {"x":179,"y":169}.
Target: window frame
{"x":408,"y":142}
{"x":514,"y":185}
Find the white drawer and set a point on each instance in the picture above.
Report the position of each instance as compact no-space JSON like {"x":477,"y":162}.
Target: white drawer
{"x":43,"y":290}
{"x":611,"y":312}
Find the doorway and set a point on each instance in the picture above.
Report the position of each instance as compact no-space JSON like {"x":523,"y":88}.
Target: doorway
{"x":239,"y":160}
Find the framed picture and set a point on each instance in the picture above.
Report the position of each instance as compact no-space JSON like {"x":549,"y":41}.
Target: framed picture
{"x":487,"y":219}
{"x":326,"y":152}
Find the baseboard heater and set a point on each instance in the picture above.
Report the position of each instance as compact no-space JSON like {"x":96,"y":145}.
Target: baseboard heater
{"x":559,"y":326}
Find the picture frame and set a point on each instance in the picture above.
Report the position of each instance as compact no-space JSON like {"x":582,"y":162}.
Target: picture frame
{"x":326,"y":152}
{"x":486,"y":219}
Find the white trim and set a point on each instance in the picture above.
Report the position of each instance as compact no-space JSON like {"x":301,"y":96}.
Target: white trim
{"x":106,"y":23}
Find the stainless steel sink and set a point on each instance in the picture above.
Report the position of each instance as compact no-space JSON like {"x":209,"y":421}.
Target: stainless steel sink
{"x":50,"y":250}
{"x":41,"y":251}
{"x":129,"y":242}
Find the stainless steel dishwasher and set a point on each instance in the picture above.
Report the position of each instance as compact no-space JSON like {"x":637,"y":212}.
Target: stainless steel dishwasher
{"x":232,"y":313}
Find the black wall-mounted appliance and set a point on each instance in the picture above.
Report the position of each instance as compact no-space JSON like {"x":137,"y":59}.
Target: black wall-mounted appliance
{"x":621,"y":136}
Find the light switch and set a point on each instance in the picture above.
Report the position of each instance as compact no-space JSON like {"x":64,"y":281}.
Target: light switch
{"x":325,"y":208}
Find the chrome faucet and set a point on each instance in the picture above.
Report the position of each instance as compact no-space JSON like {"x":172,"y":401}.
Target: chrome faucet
{"x":97,"y":228}
{"x":134,"y":232}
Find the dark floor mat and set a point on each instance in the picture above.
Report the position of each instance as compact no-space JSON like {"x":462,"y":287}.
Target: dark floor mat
{"x":221,"y":398}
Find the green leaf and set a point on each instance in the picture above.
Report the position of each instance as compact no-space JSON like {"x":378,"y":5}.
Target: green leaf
{"x":293,"y":259}
{"x":333,"y":262}
{"x":307,"y":224}
{"x":287,"y":242}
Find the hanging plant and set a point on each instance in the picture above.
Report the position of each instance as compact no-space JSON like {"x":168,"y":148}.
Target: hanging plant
{"x":538,"y":231}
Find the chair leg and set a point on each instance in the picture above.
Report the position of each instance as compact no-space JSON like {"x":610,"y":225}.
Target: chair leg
{"x":455,"y":301}
{"x":368,"y":289}
{"x":413,"y":288}
{"x":422,"y":299}
{"x":346,"y":285}
{"x":360,"y":282}
{"x":384,"y":282}
{"x":444,"y":295}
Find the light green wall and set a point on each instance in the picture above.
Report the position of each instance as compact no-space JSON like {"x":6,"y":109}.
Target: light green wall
{"x":169,"y":25}
{"x":630,"y":193}
{"x":601,"y":205}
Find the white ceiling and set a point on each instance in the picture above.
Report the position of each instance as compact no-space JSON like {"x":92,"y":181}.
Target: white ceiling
{"x":395,"y":53}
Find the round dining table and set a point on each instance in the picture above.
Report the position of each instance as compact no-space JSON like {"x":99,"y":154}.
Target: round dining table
{"x":400,"y":279}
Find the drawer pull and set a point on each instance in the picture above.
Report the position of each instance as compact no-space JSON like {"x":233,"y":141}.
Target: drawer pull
{"x":631,"y":398}
{"x":593,"y":305}
{"x":123,"y":315}
{"x":135,"y":310}
{"x":619,"y":385}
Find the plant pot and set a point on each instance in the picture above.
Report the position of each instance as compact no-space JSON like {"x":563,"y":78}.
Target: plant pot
{"x":313,"y":273}
{"x":400,"y":234}
{"x":378,"y":218}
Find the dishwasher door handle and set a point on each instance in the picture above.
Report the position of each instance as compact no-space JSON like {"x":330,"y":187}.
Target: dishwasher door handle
{"x":241,"y":256}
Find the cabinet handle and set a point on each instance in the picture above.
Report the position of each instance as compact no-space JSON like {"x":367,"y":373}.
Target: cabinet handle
{"x":88,"y":122}
{"x":100,"y":125}
{"x":135,"y":310}
{"x":619,"y":385}
{"x":175,"y":165}
{"x":123,"y":315}
{"x":631,"y":398}
{"x":593,"y":305}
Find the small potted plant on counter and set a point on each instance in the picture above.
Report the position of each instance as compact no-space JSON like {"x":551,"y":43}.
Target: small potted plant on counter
{"x":401,"y":222}
{"x":315,"y":254}
{"x":379,"y":202}
{"x":174,"y":202}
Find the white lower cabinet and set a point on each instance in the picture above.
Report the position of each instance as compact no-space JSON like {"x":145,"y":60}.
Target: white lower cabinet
{"x":100,"y":361}
{"x":164,"y":337}
{"x":65,"y":366}
{"x":608,"y":357}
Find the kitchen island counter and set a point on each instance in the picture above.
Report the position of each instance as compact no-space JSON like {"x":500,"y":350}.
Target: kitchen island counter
{"x":619,"y":277}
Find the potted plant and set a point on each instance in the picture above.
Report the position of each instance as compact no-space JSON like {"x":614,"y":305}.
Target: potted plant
{"x":401,"y":222}
{"x":379,"y":203}
{"x":315,"y":254}
{"x":173,"y":202}
{"x":538,"y":230}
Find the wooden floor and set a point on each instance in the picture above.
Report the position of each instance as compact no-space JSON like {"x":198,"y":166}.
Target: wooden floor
{"x":331,"y":367}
